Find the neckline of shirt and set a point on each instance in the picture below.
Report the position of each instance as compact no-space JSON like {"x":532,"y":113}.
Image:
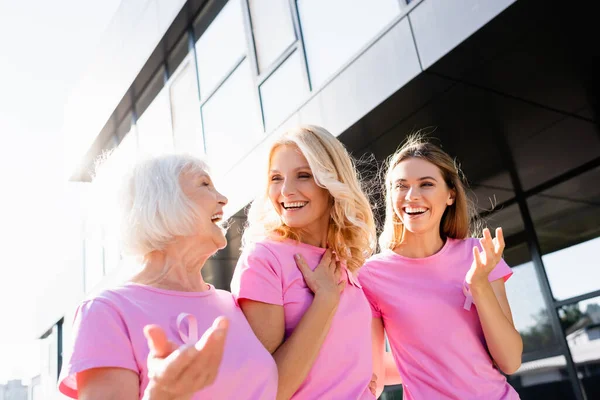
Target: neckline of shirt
{"x":441,"y":252}
{"x":211,"y":290}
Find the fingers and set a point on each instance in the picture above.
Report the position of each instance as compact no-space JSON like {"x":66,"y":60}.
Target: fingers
{"x":302,"y":265}
{"x":499,"y":241}
{"x":158,"y":343}
{"x":210,"y":353}
{"x":373,"y":384}
{"x":342,"y":285}
{"x":477,"y":257}
{"x":327,"y":258}
{"x":192,"y":368}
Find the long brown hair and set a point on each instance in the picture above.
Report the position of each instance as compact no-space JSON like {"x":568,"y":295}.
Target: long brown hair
{"x":456,"y":221}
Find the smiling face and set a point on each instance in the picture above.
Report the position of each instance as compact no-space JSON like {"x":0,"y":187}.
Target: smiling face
{"x":199,"y":188}
{"x":419,"y":195}
{"x":295,"y":195}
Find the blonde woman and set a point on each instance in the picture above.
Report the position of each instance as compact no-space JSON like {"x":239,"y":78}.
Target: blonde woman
{"x":308,"y":233}
{"x":438,"y":294}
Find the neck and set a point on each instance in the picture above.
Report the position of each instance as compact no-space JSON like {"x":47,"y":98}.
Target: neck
{"x":315,"y":235}
{"x":420,"y":245}
{"x":178,"y":267}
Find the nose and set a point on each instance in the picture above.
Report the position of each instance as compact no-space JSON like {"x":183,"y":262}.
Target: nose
{"x":222,"y":199}
{"x":412,"y":193}
{"x":288,"y":188}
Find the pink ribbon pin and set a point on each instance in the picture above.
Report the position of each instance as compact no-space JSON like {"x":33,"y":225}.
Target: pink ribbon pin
{"x":189,"y":336}
{"x":468,"y":295}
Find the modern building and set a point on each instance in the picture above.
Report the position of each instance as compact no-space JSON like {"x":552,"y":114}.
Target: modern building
{"x":13,"y":390}
{"x":35,"y":389}
{"x":509,"y":87}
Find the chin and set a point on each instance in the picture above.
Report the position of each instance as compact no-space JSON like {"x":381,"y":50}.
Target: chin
{"x":221,"y":243}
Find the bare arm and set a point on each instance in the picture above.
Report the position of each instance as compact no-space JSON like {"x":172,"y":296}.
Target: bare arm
{"x":296,"y":356}
{"x":108,"y":384}
{"x":503,"y":340}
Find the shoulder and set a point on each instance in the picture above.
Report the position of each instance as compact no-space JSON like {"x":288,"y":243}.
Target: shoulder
{"x":267,"y":250}
{"x":374,"y":266}
{"x":462,"y":246}
{"x":119,"y":300}
{"x":379,"y":260}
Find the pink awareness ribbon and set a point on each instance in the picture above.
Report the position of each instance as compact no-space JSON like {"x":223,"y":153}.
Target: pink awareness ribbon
{"x":191,"y":336}
{"x":468,"y":295}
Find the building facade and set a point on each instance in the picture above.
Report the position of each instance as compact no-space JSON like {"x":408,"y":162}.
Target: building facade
{"x":508,"y":87}
{"x":13,"y":390}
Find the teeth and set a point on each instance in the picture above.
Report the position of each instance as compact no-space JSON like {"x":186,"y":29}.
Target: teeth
{"x":216,"y":216}
{"x":411,"y":210}
{"x":296,"y":204}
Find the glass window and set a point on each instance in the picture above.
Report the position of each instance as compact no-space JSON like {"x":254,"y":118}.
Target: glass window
{"x":531,"y":317}
{"x":185,"y":111}
{"x":543,"y":372}
{"x":154,"y":127}
{"x":232,"y":124}
{"x":220,"y":47}
{"x":283,"y":91}
{"x":273,"y":29}
{"x":568,"y":142}
{"x":573,"y":271}
{"x":565,"y":216}
{"x":335,"y":30}
{"x":581,"y":324}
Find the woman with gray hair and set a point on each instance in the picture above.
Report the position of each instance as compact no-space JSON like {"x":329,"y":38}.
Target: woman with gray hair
{"x":141,"y":339}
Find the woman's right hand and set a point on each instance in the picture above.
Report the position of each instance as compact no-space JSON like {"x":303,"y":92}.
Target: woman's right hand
{"x":325,"y":281}
{"x":178,"y":373}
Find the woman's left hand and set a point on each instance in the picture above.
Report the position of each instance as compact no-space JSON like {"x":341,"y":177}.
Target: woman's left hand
{"x":373,"y":385}
{"x":484,"y":263}
{"x":177,"y":373}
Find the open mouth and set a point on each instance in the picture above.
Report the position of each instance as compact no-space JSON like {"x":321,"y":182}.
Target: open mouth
{"x":216,"y":218}
{"x":414,"y":211}
{"x":296,"y":205}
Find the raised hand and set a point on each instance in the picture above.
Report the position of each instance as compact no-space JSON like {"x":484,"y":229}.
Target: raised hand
{"x":178,"y":373}
{"x":325,"y":280}
{"x":484,"y":263}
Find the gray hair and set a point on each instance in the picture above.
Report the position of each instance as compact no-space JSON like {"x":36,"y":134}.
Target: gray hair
{"x":149,"y":208}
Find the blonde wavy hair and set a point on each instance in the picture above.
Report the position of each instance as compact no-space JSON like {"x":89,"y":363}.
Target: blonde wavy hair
{"x":351,"y":233}
{"x":458,"y":220}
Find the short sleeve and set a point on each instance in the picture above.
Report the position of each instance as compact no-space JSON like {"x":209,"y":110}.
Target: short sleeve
{"x":99,"y":339}
{"x":366,"y":280}
{"x":502,"y":270}
{"x":258,"y":277}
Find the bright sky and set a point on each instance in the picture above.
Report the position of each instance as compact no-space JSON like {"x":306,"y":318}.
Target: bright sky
{"x":45,"y":47}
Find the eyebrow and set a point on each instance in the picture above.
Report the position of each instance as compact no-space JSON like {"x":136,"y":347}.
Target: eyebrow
{"x":273,"y":171}
{"x":420,"y":179}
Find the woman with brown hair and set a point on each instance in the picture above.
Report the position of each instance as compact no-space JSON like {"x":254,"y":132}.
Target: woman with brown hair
{"x":438,"y":294}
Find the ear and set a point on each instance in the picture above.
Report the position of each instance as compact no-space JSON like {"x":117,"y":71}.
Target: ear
{"x":451,"y":198}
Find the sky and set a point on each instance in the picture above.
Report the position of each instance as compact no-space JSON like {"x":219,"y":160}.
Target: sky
{"x":45,"y":47}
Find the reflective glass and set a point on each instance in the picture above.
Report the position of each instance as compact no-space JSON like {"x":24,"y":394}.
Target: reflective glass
{"x":185,"y":111}
{"x":155,"y":135}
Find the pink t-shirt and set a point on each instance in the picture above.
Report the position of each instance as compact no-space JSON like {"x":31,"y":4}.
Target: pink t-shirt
{"x":437,"y":344}
{"x":267,"y":272}
{"x":108,"y":332}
